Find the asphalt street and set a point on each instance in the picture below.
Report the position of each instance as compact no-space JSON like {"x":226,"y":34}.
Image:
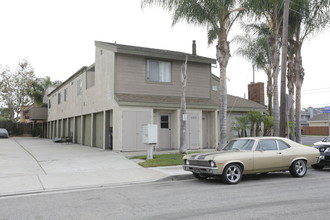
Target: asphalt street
{"x":272,"y":196}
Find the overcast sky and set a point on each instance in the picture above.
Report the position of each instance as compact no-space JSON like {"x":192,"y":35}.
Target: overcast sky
{"x":57,"y":37}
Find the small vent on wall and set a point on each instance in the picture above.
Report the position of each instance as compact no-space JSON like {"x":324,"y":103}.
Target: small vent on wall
{"x":101,"y":52}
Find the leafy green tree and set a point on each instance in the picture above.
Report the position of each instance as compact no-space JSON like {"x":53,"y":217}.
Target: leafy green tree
{"x":255,"y":46}
{"x":256,"y":119}
{"x":307,"y":18}
{"x":218,"y":16}
{"x":241,"y":125}
{"x":39,"y":87}
{"x":270,"y":11}
{"x":15,"y":86}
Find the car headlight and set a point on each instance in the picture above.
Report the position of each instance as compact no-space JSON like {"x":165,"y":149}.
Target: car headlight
{"x":322,"y":149}
{"x":212,"y":163}
{"x":186,"y":162}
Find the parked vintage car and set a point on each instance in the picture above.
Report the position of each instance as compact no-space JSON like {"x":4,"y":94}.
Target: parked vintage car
{"x":323,"y":142}
{"x":4,"y":133}
{"x":250,"y":156}
{"x":324,"y":158}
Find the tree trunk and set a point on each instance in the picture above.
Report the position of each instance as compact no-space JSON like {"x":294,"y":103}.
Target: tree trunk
{"x":223,"y":55}
{"x":276,"y":110}
{"x":283,"y":112}
{"x":290,"y":85}
{"x":299,"y":78}
{"x":270,"y":92}
{"x":183,"y":114}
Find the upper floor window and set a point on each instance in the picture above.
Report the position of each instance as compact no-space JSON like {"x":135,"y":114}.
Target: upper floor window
{"x":215,"y":88}
{"x":79,"y":87}
{"x":59,"y":98}
{"x":49,"y":103}
{"x":159,"y":71}
{"x":66,"y":94}
{"x":90,"y":79}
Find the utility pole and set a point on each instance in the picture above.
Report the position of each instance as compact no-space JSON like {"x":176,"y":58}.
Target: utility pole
{"x":283,"y":112}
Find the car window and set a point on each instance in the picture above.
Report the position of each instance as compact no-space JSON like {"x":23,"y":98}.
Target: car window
{"x":267,"y":145}
{"x":243,"y":144}
{"x":282,"y":145}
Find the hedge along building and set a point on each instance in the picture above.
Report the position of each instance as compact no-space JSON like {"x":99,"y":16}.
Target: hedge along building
{"x":106,"y":104}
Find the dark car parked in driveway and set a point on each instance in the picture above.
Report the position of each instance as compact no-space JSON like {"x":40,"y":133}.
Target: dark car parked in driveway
{"x":324,"y":156}
{"x":4,"y":133}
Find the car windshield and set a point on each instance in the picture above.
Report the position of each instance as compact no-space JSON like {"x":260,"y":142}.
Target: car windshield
{"x":244,"y":144}
{"x":327,"y":139}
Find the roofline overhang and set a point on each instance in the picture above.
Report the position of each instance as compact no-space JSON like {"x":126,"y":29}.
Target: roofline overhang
{"x":155,"y":53}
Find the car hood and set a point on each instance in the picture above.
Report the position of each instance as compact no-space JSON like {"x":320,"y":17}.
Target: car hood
{"x":320,"y":143}
{"x":211,"y":155}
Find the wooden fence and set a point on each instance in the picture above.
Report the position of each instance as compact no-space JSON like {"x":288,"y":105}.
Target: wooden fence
{"x":17,"y":129}
{"x":322,"y":131}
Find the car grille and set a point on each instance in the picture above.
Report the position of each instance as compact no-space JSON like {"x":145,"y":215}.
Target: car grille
{"x":204,"y":163}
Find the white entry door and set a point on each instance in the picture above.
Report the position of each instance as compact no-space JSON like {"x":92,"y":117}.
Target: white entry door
{"x":165,"y":131}
{"x":193,"y":131}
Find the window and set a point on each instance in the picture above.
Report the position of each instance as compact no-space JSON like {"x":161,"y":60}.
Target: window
{"x":244,"y":144}
{"x":267,"y":145}
{"x":59,"y":98}
{"x":164,"y":121}
{"x":282,"y":145}
{"x":79,"y":87}
{"x":66,"y":94}
{"x":49,"y":103}
{"x":215,"y":88}
{"x":90,"y":79}
{"x":159,"y":71}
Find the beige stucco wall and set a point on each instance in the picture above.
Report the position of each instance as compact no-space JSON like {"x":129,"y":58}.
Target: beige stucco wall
{"x":98,"y":98}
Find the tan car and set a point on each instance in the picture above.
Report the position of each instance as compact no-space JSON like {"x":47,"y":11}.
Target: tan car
{"x":250,"y":156}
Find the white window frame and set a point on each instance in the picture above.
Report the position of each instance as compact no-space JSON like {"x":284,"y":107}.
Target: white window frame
{"x":163,"y":73}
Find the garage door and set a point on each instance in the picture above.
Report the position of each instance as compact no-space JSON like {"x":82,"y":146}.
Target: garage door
{"x":132,"y":130}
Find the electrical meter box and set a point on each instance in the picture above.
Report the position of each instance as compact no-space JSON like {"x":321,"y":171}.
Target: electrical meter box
{"x":149,"y":134}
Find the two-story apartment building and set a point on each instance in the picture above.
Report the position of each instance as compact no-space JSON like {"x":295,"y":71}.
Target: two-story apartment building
{"x":106,"y":104}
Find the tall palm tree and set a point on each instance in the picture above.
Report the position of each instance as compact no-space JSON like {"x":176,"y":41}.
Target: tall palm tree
{"x":307,"y":17}
{"x":270,"y":12}
{"x":254,"y":46}
{"x":218,"y":16}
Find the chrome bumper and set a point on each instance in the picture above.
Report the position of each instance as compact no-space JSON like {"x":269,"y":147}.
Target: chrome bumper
{"x":201,"y":169}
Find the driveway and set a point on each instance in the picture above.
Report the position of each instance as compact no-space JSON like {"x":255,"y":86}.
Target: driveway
{"x":34,"y":165}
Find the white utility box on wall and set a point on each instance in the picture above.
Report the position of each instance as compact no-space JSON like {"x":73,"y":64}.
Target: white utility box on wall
{"x":149,"y":134}
{"x":150,"y":137}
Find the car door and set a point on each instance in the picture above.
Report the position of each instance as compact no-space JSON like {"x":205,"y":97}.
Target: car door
{"x":267,"y":156}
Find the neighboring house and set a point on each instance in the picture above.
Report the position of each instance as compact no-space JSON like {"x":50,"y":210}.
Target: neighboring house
{"x":106,"y":104}
{"x":320,"y":120}
{"x":307,"y":114}
{"x":318,"y":125}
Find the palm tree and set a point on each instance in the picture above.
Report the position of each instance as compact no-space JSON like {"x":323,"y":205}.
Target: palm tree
{"x":270,"y":11}
{"x":307,"y":17}
{"x":218,"y":16}
{"x":257,"y":50}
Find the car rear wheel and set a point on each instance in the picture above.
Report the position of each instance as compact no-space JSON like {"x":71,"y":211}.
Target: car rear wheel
{"x":199,"y":176}
{"x":232,"y":174}
{"x":317,"y":166}
{"x":298,"y":168}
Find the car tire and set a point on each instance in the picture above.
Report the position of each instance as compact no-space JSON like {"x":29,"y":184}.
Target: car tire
{"x":317,"y":166}
{"x":298,"y":168}
{"x":232,"y":174}
{"x":199,"y":176}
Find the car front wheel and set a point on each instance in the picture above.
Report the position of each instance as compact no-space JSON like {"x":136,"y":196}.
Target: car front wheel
{"x":298,"y":168}
{"x":232,"y":174}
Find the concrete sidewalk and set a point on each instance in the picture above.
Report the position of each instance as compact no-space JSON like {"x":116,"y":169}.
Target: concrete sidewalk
{"x":30,"y":165}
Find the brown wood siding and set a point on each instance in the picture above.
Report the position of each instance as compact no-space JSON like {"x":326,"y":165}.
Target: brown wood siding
{"x":131,"y":78}
{"x":315,"y":130}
